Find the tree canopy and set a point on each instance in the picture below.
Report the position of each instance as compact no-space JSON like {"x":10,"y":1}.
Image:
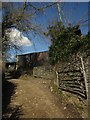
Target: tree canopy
{"x":66,"y":41}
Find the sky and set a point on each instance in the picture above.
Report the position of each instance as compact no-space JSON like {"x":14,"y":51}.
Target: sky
{"x":71,"y":12}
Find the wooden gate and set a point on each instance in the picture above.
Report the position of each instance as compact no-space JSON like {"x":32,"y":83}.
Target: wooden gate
{"x":72,"y":77}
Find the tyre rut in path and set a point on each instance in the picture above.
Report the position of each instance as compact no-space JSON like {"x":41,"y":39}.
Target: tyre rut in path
{"x":37,"y":100}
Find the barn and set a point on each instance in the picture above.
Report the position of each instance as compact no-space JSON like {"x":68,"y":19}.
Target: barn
{"x":31,"y":60}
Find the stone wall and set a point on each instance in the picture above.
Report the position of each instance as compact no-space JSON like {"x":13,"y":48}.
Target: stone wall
{"x":44,"y":71}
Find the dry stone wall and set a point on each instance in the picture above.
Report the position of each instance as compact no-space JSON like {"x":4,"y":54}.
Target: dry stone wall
{"x":44,"y":71}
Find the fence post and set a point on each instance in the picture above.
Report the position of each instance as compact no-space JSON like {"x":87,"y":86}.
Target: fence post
{"x":84,"y":75}
{"x":57,"y":82}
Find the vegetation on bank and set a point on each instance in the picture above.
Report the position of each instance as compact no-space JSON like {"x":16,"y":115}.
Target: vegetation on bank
{"x":67,"y":41}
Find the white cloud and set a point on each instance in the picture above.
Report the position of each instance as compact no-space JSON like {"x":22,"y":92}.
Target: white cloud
{"x":17,"y":38}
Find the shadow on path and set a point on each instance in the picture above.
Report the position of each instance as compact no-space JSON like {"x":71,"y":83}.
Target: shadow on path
{"x":8,"y":90}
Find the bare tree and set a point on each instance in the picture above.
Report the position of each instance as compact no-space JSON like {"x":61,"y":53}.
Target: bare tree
{"x":20,"y":15}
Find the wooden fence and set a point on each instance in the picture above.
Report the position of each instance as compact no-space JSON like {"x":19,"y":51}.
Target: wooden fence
{"x":72,"y":77}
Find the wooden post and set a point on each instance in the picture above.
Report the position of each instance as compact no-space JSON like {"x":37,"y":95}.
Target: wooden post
{"x":84,"y":75}
{"x":17,"y":60}
{"x":57,"y":82}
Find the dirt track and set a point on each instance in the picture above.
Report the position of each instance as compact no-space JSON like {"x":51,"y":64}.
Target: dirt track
{"x":37,"y":100}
